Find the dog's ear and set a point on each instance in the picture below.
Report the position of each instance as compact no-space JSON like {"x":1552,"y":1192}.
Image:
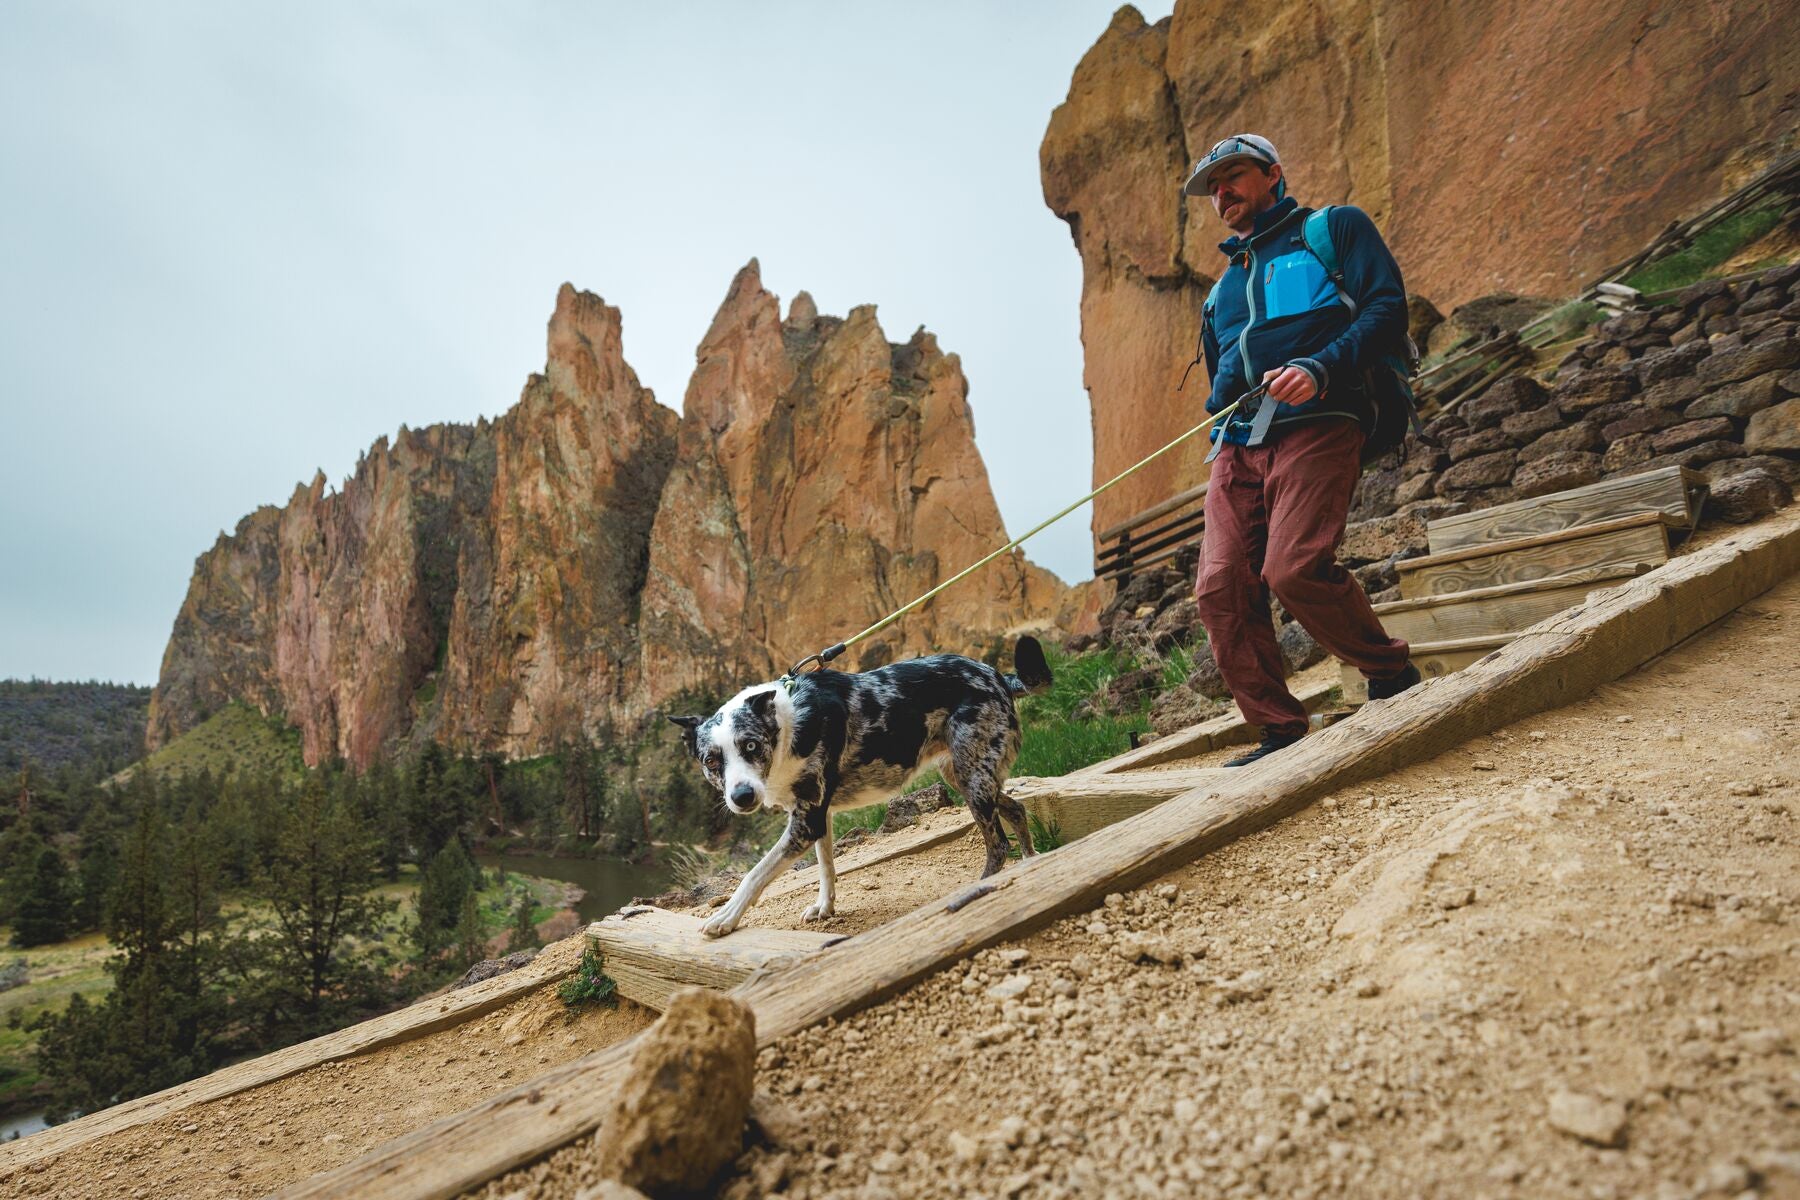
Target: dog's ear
{"x":762,"y":705}
{"x":690,"y":732}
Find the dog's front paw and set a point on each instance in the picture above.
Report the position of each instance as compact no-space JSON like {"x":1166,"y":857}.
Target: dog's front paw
{"x":818,"y":911}
{"x":720,"y":925}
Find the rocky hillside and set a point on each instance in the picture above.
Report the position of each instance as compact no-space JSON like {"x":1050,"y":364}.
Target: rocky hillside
{"x":501,"y":585}
{"x":1451,"y":124}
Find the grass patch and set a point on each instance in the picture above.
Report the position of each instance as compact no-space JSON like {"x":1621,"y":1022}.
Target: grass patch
{"x":590,"y":984}
{"x":869,"y":818}
{"x":236,"y":738}
{"x":1054,"y":740}
{"x":1709,"y":250}
{"x":57,"y":972}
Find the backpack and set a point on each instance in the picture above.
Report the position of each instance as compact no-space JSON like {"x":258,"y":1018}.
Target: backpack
{"x":1389,"y":382}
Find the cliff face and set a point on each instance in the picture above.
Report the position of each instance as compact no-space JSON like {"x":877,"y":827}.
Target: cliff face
{"x":824,"y":477}
{"x":502,"y":585}
{"x":1499,"y":145}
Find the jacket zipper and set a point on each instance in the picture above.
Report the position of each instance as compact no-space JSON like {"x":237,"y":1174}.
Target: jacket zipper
{"x":1250,"y":298}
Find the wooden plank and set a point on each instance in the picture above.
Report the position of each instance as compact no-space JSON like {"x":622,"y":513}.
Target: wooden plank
{"x":1434,"y":661}
{"x":1506,"y":608}
{"x":653,"y":953}
{"x":1629,"y":540}
{"x":428,"y":1016}
{"x":1618,"y":631}
{"x":1675,"y":492}
{"x":1181,"y":529}
{"x":1076,"y":806}
{"x":1154,"y":560}
{"x":1227,"y":729}
{"x":1154,"y":511}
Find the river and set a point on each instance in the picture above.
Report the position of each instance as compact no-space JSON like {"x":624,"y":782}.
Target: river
{"x":20,"y":1125}
{"x":609,"y":882}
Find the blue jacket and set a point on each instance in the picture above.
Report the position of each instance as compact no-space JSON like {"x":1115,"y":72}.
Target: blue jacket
{"x":1274,"y":306}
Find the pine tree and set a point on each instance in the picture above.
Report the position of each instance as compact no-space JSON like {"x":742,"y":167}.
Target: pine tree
{"x":449,"y":878}
{"x":471,"y":938}
{"x":43,"y":911}
{"x":524,"y":934}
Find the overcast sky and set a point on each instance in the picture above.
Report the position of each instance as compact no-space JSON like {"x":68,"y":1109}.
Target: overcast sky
{"x":241,"y":241}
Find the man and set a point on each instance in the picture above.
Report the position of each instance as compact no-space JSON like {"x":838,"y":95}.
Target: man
{"x":1281,"y":486}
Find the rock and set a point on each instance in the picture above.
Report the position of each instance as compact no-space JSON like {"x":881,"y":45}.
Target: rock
{"x":1695,"y":457}
{"x":1422,"y":317}
{"x":679,"y":1114}
{"x":1419,"y":487}
{"x":1204,"y":677}
{"x":1746,"y":362}
{"x":1010,"y":988}
{"x":1695,"y":294}
{"x":1486,"y":470}
{"x":610,"y":1189}
{"x":1692,"y":433}
{"x":1511,"y":395}
{"x":1674,"y":363}
{"x":1502,"y":311}
{"x":1599,"y":1122}
{"x":1298,"y":647}
{"x":1522,"y":427}
{"x":1747,"y":496}
{"x":1672,"y":393}
{"x":1785,"y":469}
{"x":1181,"y":707}
{"x":1384,"y":537}
{"x":487,"y":968}
{"x":1639,"y":420}
{"x":1741,"y":400}
{"x":1483,"y":441}
{"x":1624,"y":326}
{"x":1556,"y":473}
{"x":1130,"y":688}
{"x":1374,"y":494}
{"x":1626,"y":452}
{"x":1579,"y":391}
{"x":776,"y":1124}
{"x":15,"y":974}
{"x":906,"y":809}
{"x":1176,"y":625}
{"x":1576,"y":436}
{"x":1775,"y":430}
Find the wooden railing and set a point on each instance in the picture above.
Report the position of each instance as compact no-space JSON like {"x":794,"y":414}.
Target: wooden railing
{"x":1129,"y":546}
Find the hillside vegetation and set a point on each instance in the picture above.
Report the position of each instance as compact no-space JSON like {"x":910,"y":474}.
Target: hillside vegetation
{"x":51,"y":725}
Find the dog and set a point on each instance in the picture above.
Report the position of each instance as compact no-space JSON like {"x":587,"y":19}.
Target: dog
{"x":832,"y":740}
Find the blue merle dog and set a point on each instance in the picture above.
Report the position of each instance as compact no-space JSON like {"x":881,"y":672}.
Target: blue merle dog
{"x":830,"y":740}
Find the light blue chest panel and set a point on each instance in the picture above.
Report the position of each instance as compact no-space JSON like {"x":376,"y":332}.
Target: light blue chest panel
{"x":1294,"y":283}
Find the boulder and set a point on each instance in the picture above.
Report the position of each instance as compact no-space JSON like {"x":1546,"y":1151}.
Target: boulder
{"x":1175,"y":625}
{"x":1672,"y":393}
{"x":1580,"y":391}
{"x":1578,"y":435}
{"x":1129,"y":689}
{"x":1513,"y":394}
{"x":1522,"y":427}
{"x":1181,"y":707}
{"x":678,"y":1116}
{"x":1742,"y":400}
{"x":1672,"y":363}
{"x":1383,"y":537}
{"x":1775,"y":430}
{"x":1748,"y":495}
{"x":488,"y":968}
{"x":1785,"y":469}
{"x":1374,"y":494}
{"x":1298,"y":648}
{"x":1692,"y":433}
{"x":1695,"y":457}
{"x":1557,"y":472}
{"x":1422,"y":317}
{"x":1747,"y":362}
{"x":1419,"y":487}
{"x":1625,"y":325}
{"x":1638,"y":420}
{"x":1204,"y":677}
{"x":1626,"y":452}
{"x":1485,"y":470}
{"x":1482,"y":441}
{"x":1499,"y":312}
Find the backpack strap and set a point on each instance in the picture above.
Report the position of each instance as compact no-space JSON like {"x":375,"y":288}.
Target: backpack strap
{"x":1316,"y":232}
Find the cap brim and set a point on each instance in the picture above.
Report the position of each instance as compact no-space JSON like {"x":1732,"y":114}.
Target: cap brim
{"x":1197,"y":182}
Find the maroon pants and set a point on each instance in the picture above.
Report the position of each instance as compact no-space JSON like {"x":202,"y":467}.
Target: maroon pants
{"x":1274,"y":517}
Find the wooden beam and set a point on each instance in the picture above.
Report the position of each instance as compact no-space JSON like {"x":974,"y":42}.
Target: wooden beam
{"x":1643,"y":538}
{"x":1227,"y":729}
{"x":1076,"y":806}
{"x":1675,"y":492}
{"x":1154,"y":511}
{"x":1434,"y":660}
{"x":1181,"y":529}
{"x":428,"y":1016}
{"x":653,"y":953}
{"x":1619,"y":630}
{"x":933,"y":830}
{"x":1504,"y":608}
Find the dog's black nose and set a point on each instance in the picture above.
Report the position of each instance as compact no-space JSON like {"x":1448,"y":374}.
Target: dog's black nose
{"x":743,"y":796}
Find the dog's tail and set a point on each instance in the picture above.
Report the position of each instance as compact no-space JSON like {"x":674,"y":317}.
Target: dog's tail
{"x":1032,"y":667}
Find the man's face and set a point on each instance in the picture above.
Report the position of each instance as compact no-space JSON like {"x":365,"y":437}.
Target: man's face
{"x":1242,"y":190}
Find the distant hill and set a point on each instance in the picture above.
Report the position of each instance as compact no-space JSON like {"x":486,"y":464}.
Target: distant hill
{"x":56,"y":724}
{"x":236,"y":738}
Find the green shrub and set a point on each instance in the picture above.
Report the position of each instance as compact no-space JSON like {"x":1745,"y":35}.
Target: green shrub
{"x":590,"y":984}
{"x":1709,"y":250}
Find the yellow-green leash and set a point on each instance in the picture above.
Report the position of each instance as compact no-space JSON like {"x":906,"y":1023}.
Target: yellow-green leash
{"x":830,"y":652}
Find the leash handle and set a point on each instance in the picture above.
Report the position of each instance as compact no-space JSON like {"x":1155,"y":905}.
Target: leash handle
{"x":818,"y":661}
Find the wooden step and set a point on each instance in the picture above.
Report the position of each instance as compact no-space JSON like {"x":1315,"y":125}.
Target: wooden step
{"x":1227,"y":729}
{"x":1675,"y":492}
{"x":654,"y":953}
{"x":1075,"y":806}
{"x":1505,"y":608}
{"x":1643,"y":538}
{"x":1434,"y":659}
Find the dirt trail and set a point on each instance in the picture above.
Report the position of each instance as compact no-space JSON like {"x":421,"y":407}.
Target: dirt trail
{"x":249,"y":1144}
{"x":1438,"y":984}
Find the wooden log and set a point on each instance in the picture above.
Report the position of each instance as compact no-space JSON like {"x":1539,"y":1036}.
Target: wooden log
{"x":923,"y":836}
{"x":1621,"y":629}
{"x":1075,"y":806}
{"x":1628,"y":540}
{"x":654,"y":953}
{"x":1675,"y":492}
{"x":1181,"y":529}
{"x":417,"y":1020}
{"x":1227,"y":729}
{"x":1504,"y":608}
{"x":1153,"y":560}
{"x":1434,"y":660}
{"x":1154,"y":511}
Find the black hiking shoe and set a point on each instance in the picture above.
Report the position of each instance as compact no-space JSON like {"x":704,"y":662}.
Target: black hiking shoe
{"x":1270,"y":744}
{"x":1387,"y":689}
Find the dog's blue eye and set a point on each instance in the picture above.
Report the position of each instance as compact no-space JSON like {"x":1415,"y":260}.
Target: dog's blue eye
{"x":751,"y":745}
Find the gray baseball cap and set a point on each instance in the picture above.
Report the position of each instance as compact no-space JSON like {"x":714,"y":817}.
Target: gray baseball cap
{"x":1239,"y":147}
